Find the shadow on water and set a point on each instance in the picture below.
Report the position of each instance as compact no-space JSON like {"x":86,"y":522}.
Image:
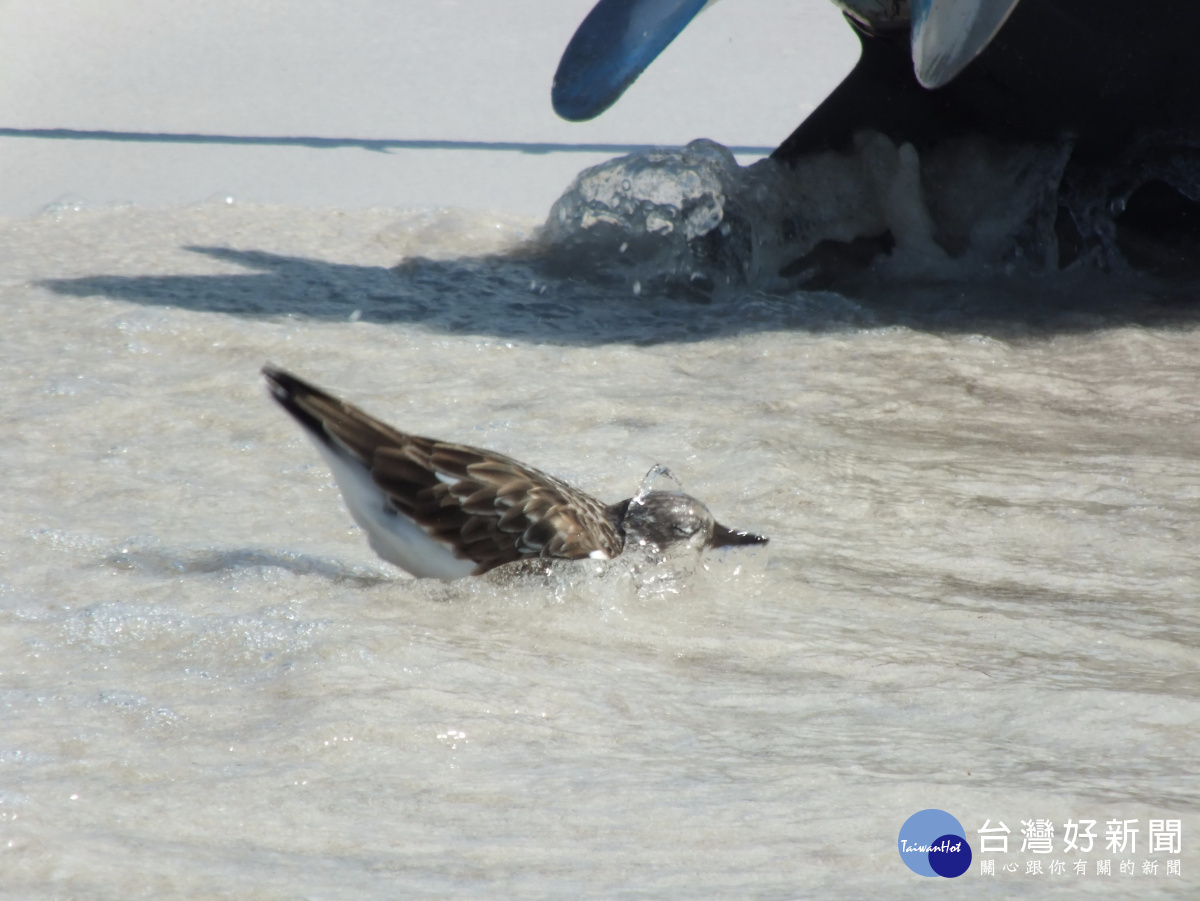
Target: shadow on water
{"x":529,"y":296}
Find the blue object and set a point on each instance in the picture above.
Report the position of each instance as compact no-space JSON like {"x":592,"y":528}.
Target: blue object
{"x":933,"y":843}
{"x":615,"y":43}
{"x":948,"y":34}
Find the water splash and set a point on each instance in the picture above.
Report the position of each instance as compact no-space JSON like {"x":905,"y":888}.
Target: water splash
{"x":692,"y":220}
{"x":646,"y":485}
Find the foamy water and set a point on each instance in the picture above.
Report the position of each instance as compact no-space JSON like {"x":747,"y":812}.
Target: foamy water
{"x":979,"y":595}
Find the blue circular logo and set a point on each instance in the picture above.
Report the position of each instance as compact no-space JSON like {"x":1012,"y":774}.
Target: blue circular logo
{"x":933,"y":843}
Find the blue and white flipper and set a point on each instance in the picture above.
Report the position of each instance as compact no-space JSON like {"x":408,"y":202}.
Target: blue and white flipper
{"x":948,"y":34}
{"x":613,"y":46}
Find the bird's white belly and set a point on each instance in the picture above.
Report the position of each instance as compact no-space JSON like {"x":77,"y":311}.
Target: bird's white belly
{"x":394,"y":537}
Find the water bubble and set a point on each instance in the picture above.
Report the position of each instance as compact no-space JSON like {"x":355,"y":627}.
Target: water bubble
{"x":657,"y":471}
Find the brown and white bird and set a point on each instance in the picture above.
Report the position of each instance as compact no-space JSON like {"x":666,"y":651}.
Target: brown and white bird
{"x":443,"y":511}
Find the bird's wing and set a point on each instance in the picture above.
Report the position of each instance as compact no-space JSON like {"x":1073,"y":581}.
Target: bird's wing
{"x":485,"y":507}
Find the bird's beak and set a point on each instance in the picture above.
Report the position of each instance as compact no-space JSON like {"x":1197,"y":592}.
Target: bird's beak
{"x":724,"y":537}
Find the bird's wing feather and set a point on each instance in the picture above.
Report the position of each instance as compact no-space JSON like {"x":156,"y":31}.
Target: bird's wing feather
{"x":487,"y":507}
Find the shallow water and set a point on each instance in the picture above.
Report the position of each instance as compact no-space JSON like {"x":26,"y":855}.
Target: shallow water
{"x":980,"y":592}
